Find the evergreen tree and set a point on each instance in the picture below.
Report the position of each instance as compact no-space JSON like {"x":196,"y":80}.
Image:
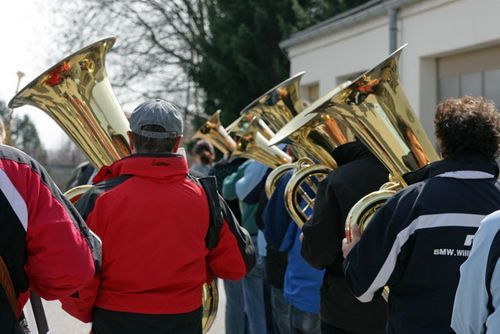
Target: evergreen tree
{"x":240,"y":56}
{"x":320,"y":10}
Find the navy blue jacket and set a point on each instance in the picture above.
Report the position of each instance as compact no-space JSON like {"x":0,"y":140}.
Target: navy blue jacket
{"x":417,"y":241}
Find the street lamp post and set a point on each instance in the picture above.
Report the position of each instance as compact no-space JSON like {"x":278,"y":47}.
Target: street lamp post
{"x":8,"y":126}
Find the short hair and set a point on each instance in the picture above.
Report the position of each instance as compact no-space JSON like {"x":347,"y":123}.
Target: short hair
{"x":468,"y":126}
{"x":205,"y":150}
{"x":153,"y":145}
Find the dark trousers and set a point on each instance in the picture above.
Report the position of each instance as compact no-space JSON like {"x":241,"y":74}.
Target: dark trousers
{"x":326,"y":328}
{"x":111,"y":322}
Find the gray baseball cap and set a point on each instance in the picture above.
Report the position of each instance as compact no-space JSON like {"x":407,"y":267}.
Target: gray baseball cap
{"x":157,"y":112}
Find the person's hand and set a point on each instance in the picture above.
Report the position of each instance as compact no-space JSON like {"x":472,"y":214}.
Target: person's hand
{"x":346,"y":245}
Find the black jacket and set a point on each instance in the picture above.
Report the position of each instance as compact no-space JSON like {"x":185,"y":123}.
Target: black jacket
{"x":359,"y":172}
{"x":418,"y":240}
{"x":222,"y":169}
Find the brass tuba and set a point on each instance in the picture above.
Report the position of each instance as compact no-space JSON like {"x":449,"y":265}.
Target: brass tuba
{"x":77,"y":94}
{"x":261,"y":118}
{"x":252,"y":142}
{"x":279,"y":105}
{"x":375,"y":107}
{"x":318,"y":132}
{"x":213,"y":131}
{"x":267,"y":114}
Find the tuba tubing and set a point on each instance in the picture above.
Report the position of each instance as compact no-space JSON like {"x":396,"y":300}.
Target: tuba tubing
{"x":213,"y":131}
{"x":317,"y":132}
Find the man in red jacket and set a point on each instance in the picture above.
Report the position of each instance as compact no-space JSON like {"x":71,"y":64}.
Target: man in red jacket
{"x":154,"y":221}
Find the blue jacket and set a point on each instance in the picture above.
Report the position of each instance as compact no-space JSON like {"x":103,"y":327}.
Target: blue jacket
{"x":276,"y":218}
{"x":302,"y":282}
{"x":477,"y":302}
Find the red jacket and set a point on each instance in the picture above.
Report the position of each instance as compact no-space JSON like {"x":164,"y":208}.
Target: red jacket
{"x":43,"y":240}
{"x":153,"y":221}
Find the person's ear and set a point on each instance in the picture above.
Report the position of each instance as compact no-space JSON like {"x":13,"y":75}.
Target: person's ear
{"x":177,"y":143}
{"x":439,"y":148}
{"x":131,"y":141}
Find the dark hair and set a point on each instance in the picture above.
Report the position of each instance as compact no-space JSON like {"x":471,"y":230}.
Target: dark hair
{"x":205,"y":151}
{"x":468,"y":126}
{"x":153,"y":145}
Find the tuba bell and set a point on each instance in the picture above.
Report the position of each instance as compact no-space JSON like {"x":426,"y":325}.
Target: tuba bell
{"x":269,"y":113}
{"x":213,"y":131}
{"x":279,"y":105}
{"x":375,"y":107}
{"x":77,"y":94}
{"x":261,"y":118}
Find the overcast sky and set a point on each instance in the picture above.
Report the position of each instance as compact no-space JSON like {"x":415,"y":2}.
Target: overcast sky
{"x":26,"y":36}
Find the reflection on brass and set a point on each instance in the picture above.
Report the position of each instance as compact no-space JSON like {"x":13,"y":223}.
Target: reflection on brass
{"x":318,"y":133}
{"x":77,"y":94}
{"x":275,"y":109}
{"x":274,"y":176}
{"x":301,"y":188}
{"x":214,"y":132}
{"x":300,"y":191}
{"x":375,"y":107}
{"x":262,"y":118}
{"x":279,"y":105}
{"x":251,"y":143}
{"x":210,"y":305}
{"x":316,"y":130}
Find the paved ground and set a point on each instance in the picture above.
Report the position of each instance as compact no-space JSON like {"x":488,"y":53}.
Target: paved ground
{"x":62,"y":323}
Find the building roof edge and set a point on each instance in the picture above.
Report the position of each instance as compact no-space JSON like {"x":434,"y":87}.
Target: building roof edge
{"x":369,"y":10}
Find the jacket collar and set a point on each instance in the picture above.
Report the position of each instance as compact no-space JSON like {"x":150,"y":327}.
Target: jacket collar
{"x":452,"y":165}
{"x":351,"y":151}
{"x":158,"y":166}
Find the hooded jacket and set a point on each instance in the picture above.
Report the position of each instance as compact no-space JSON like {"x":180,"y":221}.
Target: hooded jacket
{"x":153,"y":221}
{"x":359,"y":172}
{"x":422,"y":235}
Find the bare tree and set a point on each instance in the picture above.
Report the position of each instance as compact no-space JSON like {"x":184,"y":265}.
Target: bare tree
{"x":157,"y":44}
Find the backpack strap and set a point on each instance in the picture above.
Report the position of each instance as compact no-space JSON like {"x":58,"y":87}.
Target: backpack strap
{"x":220,"y":211}
{"x":209,"y":184}
{"x":8,"y":287}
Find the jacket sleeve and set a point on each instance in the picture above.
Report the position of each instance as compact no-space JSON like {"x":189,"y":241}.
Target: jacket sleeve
{"x":323,"y":234}
{"x":368,"y":271}
{"x":234,"y":255}
{"x":275,"y":216}
{"x":229,"y":185}
{"x":470,"y":310}
{"x":252,"y":183}
{"x":59,"y":244}
{"x":81,"y":304}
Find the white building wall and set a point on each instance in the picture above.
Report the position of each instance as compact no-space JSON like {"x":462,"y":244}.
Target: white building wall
{"x":433,"y":29}
{"x":328,"y":59}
